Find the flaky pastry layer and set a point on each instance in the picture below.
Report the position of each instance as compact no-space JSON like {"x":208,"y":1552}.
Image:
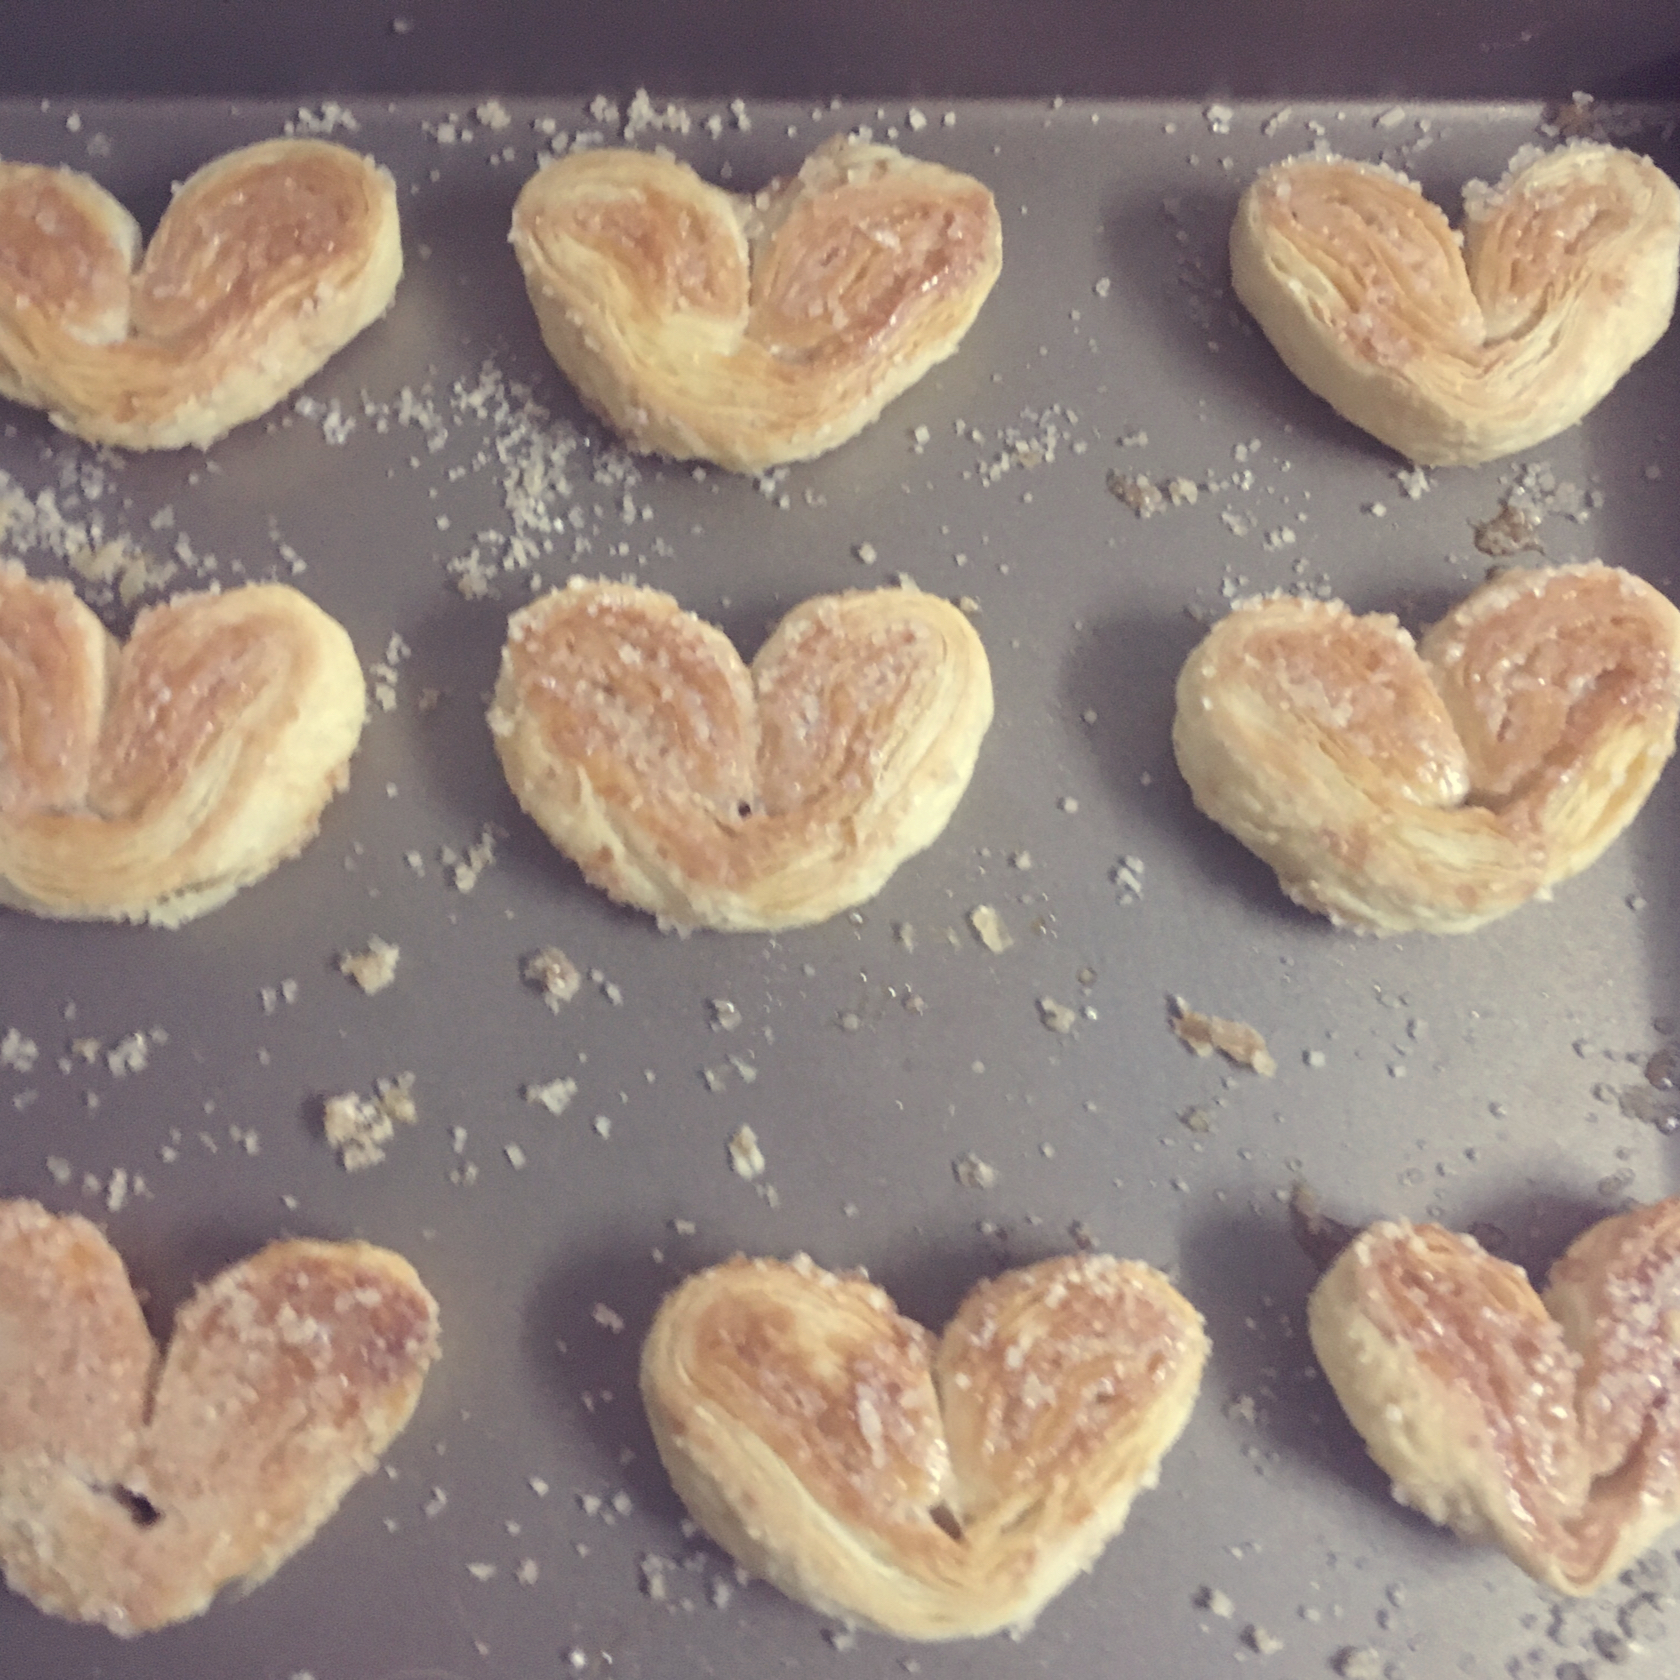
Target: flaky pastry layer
{"x":1434,"y":786}
{"x":1459,"y":348}
{"x":149,"y":781}
{"x":267,"y":262}
{"x":1548,"y":1426}
{"x":931,"y":1488}
{"x":752,"y":331}
{"x":135,"y":1485}
{"x":713,"y":794}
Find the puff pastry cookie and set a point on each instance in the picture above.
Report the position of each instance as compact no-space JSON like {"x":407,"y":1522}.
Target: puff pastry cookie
{"x":266,"y":262}
{"x":1549,"y":1426}
{"x":1459,"y":348}
{"x":717,"y":795}
{"x":933,"y":1489}
{"x":149,"y":782}
{"x":134,"y":1485}
{"x":752,"y":331}
{"x":1437,"y":786}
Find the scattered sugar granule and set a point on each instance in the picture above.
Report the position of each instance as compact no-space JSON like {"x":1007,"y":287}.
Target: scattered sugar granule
{"x":1216,"y":1603}
{"x":1128,"y":877}
{"x":725,"y":1016}
{"x":989,"y":929}
{"x":465,"y":871}
{"x":1358,"y":1662}
{"x":373,"y":969}
{"x":1260,"y":1641}
{"x":482,"y":1571}
{"x":745,"y":1156}
{"x":555,"y":1096}
{"x":554,"y":975}
{"x":515,"y":1156}
{"x":528,"y":1572}
{"x":359,"y":1128}
{"x":974,"y":1174}
{"x":129,"y":1055}
{"x":865,"y":551}
{"x":1234,"y":1039}
{"x":1057,"y":1016}
{"x":607,"y":1318}
{"x":17,"y":1052}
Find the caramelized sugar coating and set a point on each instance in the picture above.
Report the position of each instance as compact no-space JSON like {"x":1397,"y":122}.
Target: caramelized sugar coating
{"x":134,"y":1485}
{"x":267,"y":262}
{"x":714,"y":794}
{"x":1548,"y":1426}
{"x":1397,"y":787}
{"x":752,"y":331}
{"x":1455,"y":354}
{"x":932,"y":1489}
{"x":150,"y":781}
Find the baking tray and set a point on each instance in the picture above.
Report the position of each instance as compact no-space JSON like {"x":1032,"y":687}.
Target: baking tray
{"x":522,"y":1525}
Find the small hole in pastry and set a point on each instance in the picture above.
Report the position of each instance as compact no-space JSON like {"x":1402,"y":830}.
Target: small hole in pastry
{"x":138,"y":1506}
{"x":944,"y":1517}
{"x":744,"y":809}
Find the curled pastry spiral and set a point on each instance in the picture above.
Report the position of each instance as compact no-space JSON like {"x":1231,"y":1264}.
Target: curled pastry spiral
{"x":1455,"y":351}
{"x":751,"y":332}
{"x":935,"y":1489}
{"x":1437,"y":786}
{"x":267,"y":262}
{"x":134,"y":1485}
{"x":1550,"y":1426}
{"x":150,"y":781}
{"x":716,"y":795}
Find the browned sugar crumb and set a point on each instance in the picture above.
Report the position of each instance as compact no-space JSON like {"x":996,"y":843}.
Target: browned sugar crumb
{"x":1510,"y":531}
{"x":989,"y":929}
{"x":1236,"y":1040}
{"x":373,"y":969}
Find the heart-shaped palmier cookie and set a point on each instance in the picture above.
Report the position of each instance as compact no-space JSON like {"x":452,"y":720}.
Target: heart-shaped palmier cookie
{"x":1452,"y":348}
{"x":934,"y":1489}
{"x":134,"y":1485}
{"x":149,"y":782}
{"x":1551,"y":1427}
{"x":717,"y":795}
{"x":752,"y":331}
{"x":266,"y":262}
{"x":1435,"y":786}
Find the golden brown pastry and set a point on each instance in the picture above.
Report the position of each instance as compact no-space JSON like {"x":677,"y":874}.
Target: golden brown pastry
{"x":266,"y":262}
{"x":1434,"y":787}
{"x":1455,"y":349}
{"x":934,"y":1489}
{"x":717,"y":795}
{"x":150,"y":781}
{"x":752,"y":331}
{"x":1550,"y":1427}
{"x":134,"y":1485}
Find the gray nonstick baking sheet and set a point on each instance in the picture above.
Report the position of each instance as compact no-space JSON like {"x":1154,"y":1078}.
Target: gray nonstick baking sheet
{"x":522,"y":1526}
